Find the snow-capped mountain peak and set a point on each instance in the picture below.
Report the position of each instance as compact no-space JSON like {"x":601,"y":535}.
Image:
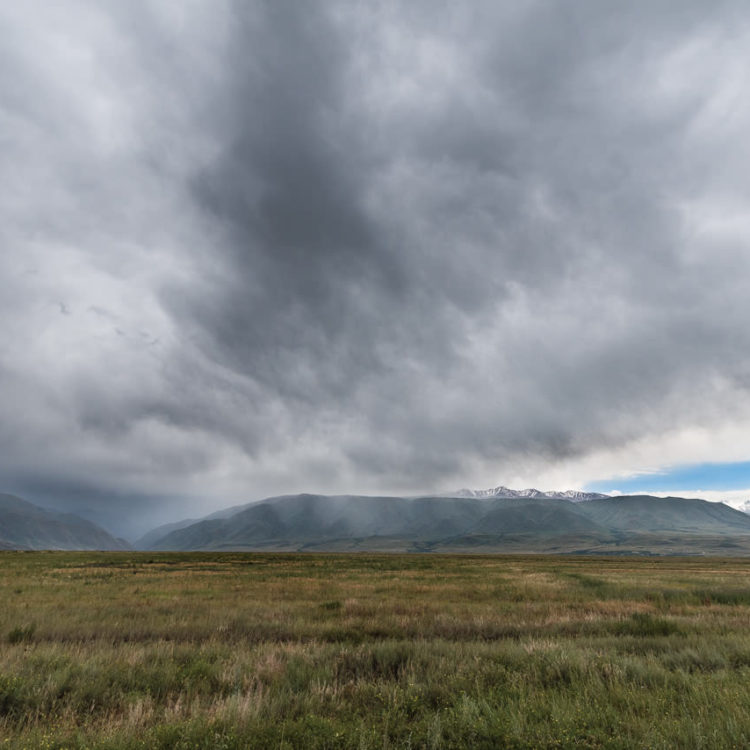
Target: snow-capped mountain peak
{"x":575,"y":496}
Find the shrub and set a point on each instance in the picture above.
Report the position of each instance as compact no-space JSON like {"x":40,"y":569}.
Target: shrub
{"x":644,"y":625}
{"x":22,"y":634}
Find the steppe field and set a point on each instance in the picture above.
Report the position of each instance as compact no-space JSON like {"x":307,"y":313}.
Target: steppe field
{"x":249,"y":650}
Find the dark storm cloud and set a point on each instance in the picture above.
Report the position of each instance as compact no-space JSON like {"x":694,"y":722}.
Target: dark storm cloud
{"x":367,"y":236}
{"x":288,"y":189}
{"x":366,"y":246}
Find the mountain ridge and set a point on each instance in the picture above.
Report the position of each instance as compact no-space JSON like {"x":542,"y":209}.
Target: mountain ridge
{"x":493,"y":523}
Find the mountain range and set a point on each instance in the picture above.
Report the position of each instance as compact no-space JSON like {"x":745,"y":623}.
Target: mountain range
{"x":494,"y":520}
{"x":542,"y":522}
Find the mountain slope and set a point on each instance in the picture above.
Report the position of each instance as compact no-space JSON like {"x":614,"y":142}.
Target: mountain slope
{"x":537,"y":518}
{"x":153,"y":536}
{"x":24,"y":525}
{"x":299,"y":519}
{"x":645,"y":513}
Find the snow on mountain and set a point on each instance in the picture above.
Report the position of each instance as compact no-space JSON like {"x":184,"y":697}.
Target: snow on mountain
{"x":575,"y":496}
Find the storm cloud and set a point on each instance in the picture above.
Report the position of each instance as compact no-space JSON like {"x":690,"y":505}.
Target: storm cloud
{"x":259,"y":247}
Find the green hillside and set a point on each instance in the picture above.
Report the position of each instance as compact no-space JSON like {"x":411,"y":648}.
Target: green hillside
{"x":24,"y":525}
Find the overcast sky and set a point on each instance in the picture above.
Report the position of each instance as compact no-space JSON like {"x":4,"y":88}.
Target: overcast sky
{"x":253,"y":248}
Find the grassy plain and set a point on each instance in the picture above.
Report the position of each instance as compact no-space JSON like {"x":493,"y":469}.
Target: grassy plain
{"x":230,"y":650}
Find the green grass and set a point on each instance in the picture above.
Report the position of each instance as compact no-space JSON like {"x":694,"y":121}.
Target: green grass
{"x":228,"y":650}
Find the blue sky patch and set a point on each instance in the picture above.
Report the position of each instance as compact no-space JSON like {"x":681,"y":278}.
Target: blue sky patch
{"x":722,"y":477}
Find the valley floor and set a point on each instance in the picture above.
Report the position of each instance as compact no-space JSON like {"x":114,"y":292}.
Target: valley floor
{"x":249,"y":650}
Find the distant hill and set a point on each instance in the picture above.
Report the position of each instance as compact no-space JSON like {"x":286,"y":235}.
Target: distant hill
{"x":634,"y":524}
{"x":24,"y":525}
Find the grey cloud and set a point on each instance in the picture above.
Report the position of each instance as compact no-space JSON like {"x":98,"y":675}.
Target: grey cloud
{"x":365,"y":245}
